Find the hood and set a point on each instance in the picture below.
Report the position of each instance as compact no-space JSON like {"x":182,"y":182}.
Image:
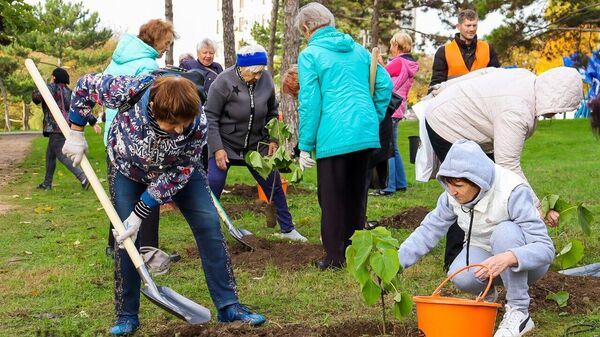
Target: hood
{"x":467,"y":160}
{"x":411,"y":65}
{"x":131,"y":48}
{"x":558,"y":90}
{"x":329,"y":38}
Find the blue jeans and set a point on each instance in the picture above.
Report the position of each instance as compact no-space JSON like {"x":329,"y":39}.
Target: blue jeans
{"x":195,"y":204}
{"x":396,"y":177}
{"x":217,"y":177}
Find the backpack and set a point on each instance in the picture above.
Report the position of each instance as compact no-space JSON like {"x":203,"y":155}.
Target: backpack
{"x":194,"y":75}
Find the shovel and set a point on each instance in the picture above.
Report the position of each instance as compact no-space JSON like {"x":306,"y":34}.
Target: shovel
{"x":236,"y":233}
{"x":163,"y":297}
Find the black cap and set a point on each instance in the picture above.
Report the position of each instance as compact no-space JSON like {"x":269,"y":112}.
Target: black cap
{"x":60,"y":76}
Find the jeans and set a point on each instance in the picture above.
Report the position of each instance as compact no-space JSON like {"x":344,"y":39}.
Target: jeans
{"x":396,"y":176}
{"x":217,"y":177}
{"x":506,"y":235}
{"x":195,"y":204}
{"x":53,"y":152}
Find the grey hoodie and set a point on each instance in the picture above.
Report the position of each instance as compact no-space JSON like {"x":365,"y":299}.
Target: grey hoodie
{"x":466,"y":160}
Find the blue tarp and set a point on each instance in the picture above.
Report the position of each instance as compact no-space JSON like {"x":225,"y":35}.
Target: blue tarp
{"x":590,"y":74}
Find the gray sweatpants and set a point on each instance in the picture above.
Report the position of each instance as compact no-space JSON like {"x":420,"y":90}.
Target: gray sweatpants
{"x":506,"y":235}
{"x":53,"y":152}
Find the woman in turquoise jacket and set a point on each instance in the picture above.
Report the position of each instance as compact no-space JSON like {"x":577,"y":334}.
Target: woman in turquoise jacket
{"x":339,"y":120}
{"x":134,"y":56}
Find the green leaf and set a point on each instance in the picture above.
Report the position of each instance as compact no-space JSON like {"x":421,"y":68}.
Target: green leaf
{"x":402,"y":305}
{"x":570,"y":255}
{"x":371,"y":292}
{"x":377,"y":264}
{"x":562,"y":206}
{"x":392,"y":264}
{"x":585,"y":219}
{"x":545,"y":205}
{"x":362,"y":275}
{"x":362,"y":241}
{"x":561,"y":298}
{"x":254,"y":160}
{"x":552,"y":198}
{"x":350,"y":254}
{"x":297,"y":174}
{"x":278,"y":130}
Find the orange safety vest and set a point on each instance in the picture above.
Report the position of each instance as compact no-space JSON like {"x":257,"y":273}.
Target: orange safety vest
{"x":456,"y":63}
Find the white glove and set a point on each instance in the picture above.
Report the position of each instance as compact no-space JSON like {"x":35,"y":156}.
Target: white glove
{"x":132,"y":226}
{"x":305,"y":160}
{"x":75,"y":147}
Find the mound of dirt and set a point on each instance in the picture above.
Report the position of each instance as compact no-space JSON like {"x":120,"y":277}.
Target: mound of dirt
{"x":250,"y":191}
{"x":346,"y":329}
{"x":584,"y":292}
{"x":408,"y":219}
{"x":236,"y":210}
{"x":282,"y":254}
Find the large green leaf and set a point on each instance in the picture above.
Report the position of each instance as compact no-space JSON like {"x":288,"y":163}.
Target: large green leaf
{"x":362,"y":241}
{"x":254,"y":159}
{"x":371,"y":292}
{"x":570,"y":255}
{"x":297,"y":174}
{"x":561,"y":298}
{"x":377,"y":264}
{"x":585,"y":219}
{"x":350,"y":254}
{"x":278,"y":130}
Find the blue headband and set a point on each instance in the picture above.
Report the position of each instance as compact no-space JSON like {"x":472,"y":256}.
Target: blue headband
{"x":256,"y":59}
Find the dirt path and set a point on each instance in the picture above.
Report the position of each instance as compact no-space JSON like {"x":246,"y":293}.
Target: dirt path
{"x":14,"y":148}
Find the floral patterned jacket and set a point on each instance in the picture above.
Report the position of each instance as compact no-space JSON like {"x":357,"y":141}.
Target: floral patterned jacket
{"x":163,"y":162}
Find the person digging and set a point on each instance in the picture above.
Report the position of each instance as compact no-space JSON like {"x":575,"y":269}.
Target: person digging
{"x":505,"y":233}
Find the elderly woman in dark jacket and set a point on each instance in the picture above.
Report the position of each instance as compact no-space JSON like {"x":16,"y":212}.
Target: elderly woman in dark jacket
{"x":240,"y":103}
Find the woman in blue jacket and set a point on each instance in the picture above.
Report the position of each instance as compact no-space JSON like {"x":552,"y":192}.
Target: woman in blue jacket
{"x":136,"y":55}
{"x":339,"y":120}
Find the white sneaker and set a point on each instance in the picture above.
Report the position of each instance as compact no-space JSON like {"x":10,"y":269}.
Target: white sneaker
{"x":293,"y":235}
{"x":514,"y":324}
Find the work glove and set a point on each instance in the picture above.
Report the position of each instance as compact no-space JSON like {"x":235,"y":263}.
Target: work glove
{"x":75,"y":147}
{"x":132,"y":226}
{"x":305,"y":160}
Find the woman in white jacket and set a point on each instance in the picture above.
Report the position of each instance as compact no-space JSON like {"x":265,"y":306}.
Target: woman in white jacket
{"x":505,"y":233}
{"x":498,"y":109}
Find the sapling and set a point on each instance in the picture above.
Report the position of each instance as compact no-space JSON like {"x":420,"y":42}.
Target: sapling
{"x":571,"y":253}
{"x":280,"y":160}
{"x":372,"y":259}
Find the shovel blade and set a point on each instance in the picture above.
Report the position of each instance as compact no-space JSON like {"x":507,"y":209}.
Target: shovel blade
{"x":180,"y":306}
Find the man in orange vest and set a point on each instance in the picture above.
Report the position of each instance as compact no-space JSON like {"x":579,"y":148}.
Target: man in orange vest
{"x":464,"y":53}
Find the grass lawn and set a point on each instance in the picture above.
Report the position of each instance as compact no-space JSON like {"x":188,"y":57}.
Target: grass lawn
{"x":55,"y":278}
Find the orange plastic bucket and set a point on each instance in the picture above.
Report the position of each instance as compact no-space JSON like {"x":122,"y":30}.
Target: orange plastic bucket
{"x":261,"y":193}
{"x":439,"y":316}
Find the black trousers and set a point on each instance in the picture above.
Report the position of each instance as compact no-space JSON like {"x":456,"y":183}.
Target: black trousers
{"x":54,"y":152}
{"x":342,"y":192}
{"x":149,"y":226}
{"x":455,"y":236}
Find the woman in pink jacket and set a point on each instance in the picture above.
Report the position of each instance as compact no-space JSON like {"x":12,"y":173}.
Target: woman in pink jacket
{"x":402,"y":68}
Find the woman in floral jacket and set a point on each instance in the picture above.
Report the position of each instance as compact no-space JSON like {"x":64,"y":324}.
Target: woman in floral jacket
{"x":155,"y":148}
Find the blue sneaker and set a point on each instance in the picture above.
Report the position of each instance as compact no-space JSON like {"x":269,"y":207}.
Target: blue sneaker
{"x":125,"y":326}
{"x":239,"y":312}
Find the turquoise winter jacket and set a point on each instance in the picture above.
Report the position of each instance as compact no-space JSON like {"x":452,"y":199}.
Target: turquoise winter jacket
{"x":337,"y":114}
{"x":132,"y":57}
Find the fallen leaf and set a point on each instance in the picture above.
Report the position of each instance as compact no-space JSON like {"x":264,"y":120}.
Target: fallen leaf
{"x":25,"y":222}
{"x":82,"y":313}
{"x":43,"y":209}
{"x":76,"y":243}
{"x":15,"y":196}
{"x":14,"y":259}
{"x":47,"y":315}
{"x":27,"y":198}
{"x":28,"y":252}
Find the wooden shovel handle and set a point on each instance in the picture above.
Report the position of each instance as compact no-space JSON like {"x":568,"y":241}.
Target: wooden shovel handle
{"x":85,"y":163}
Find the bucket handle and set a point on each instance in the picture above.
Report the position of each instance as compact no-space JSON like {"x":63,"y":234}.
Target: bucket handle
{"x":479,"y":298}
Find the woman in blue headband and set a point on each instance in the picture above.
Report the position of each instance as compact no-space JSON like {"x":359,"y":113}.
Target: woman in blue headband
{"x":240,"y":103}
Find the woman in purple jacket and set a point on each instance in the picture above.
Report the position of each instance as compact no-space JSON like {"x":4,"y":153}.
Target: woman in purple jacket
{"x":154,"y":148}
{"x":402,"y":68}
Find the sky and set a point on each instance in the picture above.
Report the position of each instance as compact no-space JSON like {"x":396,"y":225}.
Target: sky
{"x":195,"y":19}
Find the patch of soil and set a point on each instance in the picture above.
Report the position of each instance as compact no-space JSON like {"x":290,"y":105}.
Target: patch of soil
{"x":250,"y":191}
{"x":236,"y":210}
{"x":15,"y":148}
{"x":346,"y":329}
{"x":408,"y":219}
{"x":282,"y":254}
{"x":584,"y":292}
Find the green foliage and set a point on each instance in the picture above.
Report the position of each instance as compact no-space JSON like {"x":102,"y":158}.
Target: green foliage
{"x":68,"y":30}
{"x":372,"y":259}
{"x":569,"y":255}
{"x":280,"y":160}
{"x":16,"y":18}
{"x":561,"y":298}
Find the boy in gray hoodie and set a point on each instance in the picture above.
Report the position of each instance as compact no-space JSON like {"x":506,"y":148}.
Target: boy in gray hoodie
{"x":504,"y":231}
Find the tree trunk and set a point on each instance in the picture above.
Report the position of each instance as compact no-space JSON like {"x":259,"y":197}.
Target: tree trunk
{"x":5,"y":99}
{"x":228,"y":36}
{"x":291,"y":43}
{"x":25,"y":116}
{"x":375,"y":24}
{"x":273,"y":24}
{"x":169,"y":17}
